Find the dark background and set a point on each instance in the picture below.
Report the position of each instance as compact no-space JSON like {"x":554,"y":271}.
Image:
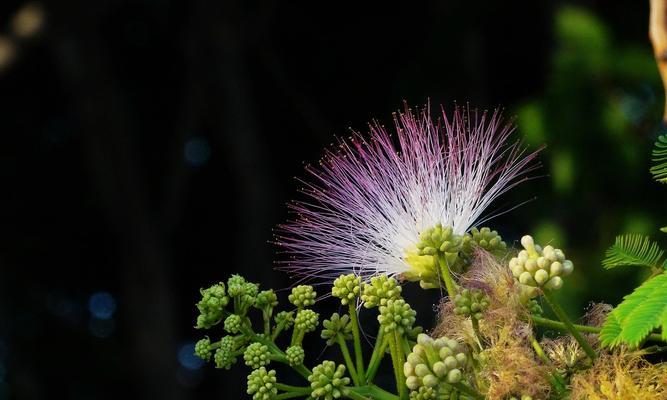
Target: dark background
{"x":149,"y":148}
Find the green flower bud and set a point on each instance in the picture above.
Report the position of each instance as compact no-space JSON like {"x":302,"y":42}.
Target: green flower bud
{"x":534,"y":307}
{"x":211,"y":306}
{"x":430,"y":381}
{"x":257,"y":355}
{"x":334,"y":326}
{"x":347,"y":288}
{"x":236,"y":285}
{"x":251,"y":289}
{"x":224,"y":356}
{"x":266,"y":299}
{"x":471,"y":303}
{"x":233,"y":323}
{"x":380,"y":289}
{"x":262,"y":384}
{"x":302,"y":296}
{"x":306,"y":320}
{"x":284,"y":318}
{"x":203,"y":349}
{"x":295,"y":355}
{"x":424,"y":393}
{"x":328,"y":381}
{"x":486,"y":239}
{"x":397,"y":315}
{"x":454,"y":376}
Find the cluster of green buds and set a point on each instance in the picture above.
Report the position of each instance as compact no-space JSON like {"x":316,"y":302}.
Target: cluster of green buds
{"x":483,"y":238}
{"x":295,"y":355}
{"x":437,"y":246}
{"x":337,"y":325}
{"x":302,"y":296}
{"x":306,"y":320}
{"x":229,"y":305}
{"x":225,"y":355}
{"x":397,"y":316}
{"x":471,"y":303}
{"x":211,"y":306}
{"x":533,"y":307}
{"x":257,"y":355}
{"x":379,"y":290}
{"x":540,"y":267}
{"x":347,"y":288}
{"x":328,"y":381}
{"x":436,"y":364}
{"x":262,"y":384}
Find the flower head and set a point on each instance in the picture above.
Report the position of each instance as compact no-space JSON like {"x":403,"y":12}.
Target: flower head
{"x":371,"y":197}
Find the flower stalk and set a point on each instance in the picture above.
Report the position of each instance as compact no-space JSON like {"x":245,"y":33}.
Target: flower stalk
{"x":560,"y":313}
{"x":354,"y":320}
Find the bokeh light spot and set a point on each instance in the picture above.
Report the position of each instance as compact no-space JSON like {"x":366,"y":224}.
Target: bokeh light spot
{"x":102,"y":305}
{"x":187,"y":357}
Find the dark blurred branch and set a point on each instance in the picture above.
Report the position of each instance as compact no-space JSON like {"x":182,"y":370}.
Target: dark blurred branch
{"x":658,"y":35}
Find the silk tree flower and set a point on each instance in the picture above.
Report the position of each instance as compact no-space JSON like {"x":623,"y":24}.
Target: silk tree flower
{"x":370,"y":197}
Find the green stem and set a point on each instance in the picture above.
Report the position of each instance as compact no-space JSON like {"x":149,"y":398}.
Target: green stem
{"x":475,"y":329}
{"x":277,"y":331}
{"x":446,"y":276}
{"x":266,"y":315}
{"x":301,"y":369}
{"x":560,"y":313}
{"x":378,"y":355}
{"x":406,"y":346}
{"x":348,"y":359}
{"x":550,"y":323}
{"x":351,"y":394}
{"x":555,"y":378}
{"x":290,"y":395}
{"x":463,"y":388}
{"x":539,"y":351}
{"x":397,"y":360}
{"x":357,"y":344}
{"x":375,"y":392}
{"x":290,"y":388}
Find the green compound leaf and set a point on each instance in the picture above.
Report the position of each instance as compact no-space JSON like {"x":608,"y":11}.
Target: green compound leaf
{"x":641,"y":312}
{"x":632,"y":250}
{"x":659,"y":169}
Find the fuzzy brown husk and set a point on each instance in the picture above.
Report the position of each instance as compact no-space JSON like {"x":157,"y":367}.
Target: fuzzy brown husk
{"x":508,"y":365}
{"x":623,"y":375}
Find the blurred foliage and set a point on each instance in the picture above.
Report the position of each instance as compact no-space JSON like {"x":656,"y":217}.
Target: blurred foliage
{"x":598,"y":115}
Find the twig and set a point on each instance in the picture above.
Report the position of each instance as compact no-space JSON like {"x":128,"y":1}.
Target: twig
{"x":657,"y":32}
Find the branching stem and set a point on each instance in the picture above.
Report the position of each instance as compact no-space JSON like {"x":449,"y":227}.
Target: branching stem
{"x":357,"y":345}
{"x":560,"y":313}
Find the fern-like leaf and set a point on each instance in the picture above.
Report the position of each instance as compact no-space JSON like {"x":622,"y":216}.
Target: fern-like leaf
{"x":632,"y":250}
{"x":641,"y":312}
{"x":659,"y":169}
{"x":610,"y":330}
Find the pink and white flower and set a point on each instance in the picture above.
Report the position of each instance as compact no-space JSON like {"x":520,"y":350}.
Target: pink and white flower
{"x":371,"y":196}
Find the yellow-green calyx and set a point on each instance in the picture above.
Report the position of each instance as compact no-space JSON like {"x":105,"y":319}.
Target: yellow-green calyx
{"x":437,"y":246}
{"x":440,"y":248}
